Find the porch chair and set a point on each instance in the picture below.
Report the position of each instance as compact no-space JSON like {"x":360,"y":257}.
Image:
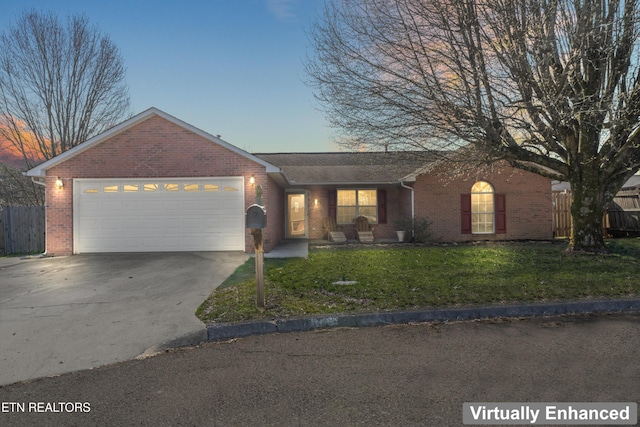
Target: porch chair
{"x":331,"y":231}
{"x":364,"y":230}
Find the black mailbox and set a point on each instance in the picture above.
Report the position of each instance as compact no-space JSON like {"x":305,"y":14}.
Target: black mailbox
{"x":256,"y":217}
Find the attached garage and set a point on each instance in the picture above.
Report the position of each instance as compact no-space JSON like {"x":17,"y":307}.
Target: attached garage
{"x":156,"y":184}
{"x":158,"y":215}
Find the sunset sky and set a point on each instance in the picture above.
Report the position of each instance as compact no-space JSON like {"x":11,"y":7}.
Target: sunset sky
{"x":233,"y":68}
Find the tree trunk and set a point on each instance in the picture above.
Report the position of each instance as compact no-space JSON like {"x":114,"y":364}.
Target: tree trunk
{"x":589,"y":205}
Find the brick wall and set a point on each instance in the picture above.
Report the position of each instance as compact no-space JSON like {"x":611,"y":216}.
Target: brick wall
{"x":437,"y":197}
{"x":528,"y":204}
{"x":398,"y":205}
{"x":153,"y":148}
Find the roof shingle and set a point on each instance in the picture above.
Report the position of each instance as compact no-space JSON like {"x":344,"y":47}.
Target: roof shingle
{"x":346,"y":167}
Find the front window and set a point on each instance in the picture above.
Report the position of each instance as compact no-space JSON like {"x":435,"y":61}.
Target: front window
{"x":482,"y":208}
{"x":354,"y":203}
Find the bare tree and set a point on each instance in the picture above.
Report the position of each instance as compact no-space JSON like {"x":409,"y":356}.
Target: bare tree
{"x":60,"y":84}
{"x":18,"y":190}
{"x":550,"y":86}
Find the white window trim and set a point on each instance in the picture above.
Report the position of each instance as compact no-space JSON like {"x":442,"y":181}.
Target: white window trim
{"x":493,"y":212}
{"x":357,"y":206}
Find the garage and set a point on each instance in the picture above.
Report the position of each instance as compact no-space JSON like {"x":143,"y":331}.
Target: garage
{"x":158,"y":215}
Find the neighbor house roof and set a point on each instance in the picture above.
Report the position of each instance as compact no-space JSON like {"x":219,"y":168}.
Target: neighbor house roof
{"x":41,"y":169}
{"x":558,"y":186}
{"x":347,"y":167}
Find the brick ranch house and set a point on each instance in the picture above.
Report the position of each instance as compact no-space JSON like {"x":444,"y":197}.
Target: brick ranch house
{"x":155,"y":183}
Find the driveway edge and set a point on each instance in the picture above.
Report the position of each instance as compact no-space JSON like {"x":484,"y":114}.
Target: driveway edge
{"x":226,"y":331}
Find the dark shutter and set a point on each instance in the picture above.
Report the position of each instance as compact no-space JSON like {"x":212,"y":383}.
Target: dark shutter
{"x":501,"y":214}
{"x":333,"y":203}
{"x":382,"y":206}
{"x":465,"y":206}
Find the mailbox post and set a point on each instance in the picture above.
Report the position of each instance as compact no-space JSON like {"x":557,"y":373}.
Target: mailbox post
{"x":256,"y":217}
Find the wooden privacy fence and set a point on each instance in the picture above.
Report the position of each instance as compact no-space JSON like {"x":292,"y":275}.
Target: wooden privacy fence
{"x":22,"y":229}
{"x":622,"y":217}
{"x":561,"y":214}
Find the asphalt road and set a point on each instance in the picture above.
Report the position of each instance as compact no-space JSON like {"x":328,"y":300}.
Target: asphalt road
{"x":402,"y":375}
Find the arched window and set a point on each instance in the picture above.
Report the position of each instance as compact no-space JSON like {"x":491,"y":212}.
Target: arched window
{"x":482,"y":208}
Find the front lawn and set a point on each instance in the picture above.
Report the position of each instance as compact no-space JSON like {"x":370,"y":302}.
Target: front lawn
{"x":402,"y":278}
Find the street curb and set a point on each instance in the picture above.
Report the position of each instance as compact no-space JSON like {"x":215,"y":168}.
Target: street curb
{"x":226,"y":331}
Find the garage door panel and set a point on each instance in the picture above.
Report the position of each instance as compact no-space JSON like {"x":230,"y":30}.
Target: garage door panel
{"x":146,"y":215}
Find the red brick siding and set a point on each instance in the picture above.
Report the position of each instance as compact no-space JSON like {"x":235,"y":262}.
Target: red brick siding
{"x":154,"y":148}
{"x":274,"y":204}
{"x":528,"y":204}
{"x":398,"y":204}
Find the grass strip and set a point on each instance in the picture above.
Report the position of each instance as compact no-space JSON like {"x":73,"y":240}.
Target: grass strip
{"x":368,"y":279}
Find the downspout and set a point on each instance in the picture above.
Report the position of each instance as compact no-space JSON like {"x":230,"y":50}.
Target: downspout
{"x":413,"y":212}
{"x":33,"y":179}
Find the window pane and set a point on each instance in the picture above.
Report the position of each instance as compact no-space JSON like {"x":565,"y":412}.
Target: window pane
{"x":110,"y":189}
{"x":191,"y":187}
{"x":367,"y":198}
{"x":151,"y":187}
{"x":91,"y":190}
{"x":171,"y":187}
{"x":482,"y":203}
{"x":482,"y":223}
{"x":482,"y":187}
{"x":345,"y":215}
{"x":370,"y":212}
{"x":131,"y":188}
{"x":210,"y":187}
{"x":482,"y":208}
{"x":346,"y":197}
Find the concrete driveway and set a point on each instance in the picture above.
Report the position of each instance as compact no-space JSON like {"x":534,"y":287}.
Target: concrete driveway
{"x":68,"y":313}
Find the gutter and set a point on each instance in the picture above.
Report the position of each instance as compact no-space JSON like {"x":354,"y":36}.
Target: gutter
{"x":413,"y":207}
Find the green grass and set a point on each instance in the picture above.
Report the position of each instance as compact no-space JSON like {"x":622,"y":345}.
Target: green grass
{"x":426,"y":277}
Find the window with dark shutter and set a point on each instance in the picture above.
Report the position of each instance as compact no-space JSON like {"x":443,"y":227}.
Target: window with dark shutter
{"x":501,"y":214}
{"x":382,"y":206}
{"x":333,"y":203}
{"x":465,"y":207}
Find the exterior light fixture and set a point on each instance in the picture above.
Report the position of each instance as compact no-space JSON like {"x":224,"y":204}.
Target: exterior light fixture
{"x":59,"y":183}
{"x":315,"y":202}
{"x":252,"y":180}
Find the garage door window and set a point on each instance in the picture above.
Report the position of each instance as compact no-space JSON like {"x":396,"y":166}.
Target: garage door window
{"x":151,"y":188}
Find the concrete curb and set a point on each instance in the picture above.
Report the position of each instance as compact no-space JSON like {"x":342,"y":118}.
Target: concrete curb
{"x":225,"y":331}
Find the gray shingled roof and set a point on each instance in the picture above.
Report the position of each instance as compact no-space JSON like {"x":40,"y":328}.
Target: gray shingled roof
{"x":633,"y":182}
{"x":346,"y":167}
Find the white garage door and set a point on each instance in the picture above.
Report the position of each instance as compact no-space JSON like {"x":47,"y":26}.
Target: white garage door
{"x":158,"y":215}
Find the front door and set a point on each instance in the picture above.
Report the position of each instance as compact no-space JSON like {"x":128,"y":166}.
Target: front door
{"x":296,"y":216}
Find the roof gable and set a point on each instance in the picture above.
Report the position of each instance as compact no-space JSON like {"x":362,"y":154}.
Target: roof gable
{"x":41,"y":169}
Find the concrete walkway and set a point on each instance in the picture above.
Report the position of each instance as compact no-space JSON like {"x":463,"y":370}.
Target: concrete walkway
{"x":290,"y":249}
